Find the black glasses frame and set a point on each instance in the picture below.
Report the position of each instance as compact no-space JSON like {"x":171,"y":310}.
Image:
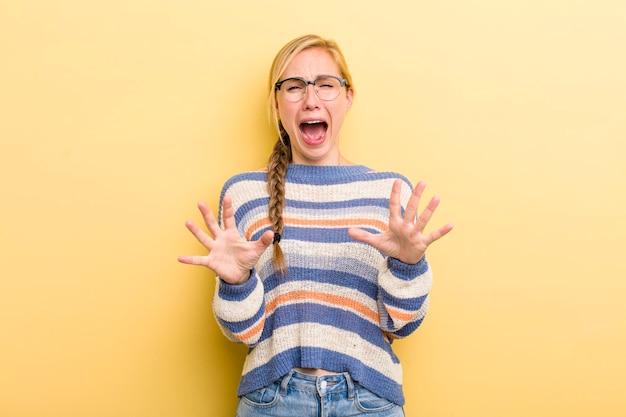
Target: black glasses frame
{"x":342,"y":81}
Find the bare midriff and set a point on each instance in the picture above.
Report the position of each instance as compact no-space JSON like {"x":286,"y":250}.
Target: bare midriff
{"x":315,"y":371}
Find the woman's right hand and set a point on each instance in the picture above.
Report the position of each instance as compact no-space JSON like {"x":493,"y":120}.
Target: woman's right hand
{"x":230,"y":256}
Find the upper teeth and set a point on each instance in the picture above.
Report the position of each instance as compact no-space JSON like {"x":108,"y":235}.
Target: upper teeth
{"x":314,"y":122}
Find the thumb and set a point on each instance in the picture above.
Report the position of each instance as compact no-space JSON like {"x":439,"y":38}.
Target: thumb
{"x":265,"y":240}
{"x":359,"y":234}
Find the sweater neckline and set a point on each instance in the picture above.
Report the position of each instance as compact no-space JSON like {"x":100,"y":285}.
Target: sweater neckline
{"x":325,"y":173}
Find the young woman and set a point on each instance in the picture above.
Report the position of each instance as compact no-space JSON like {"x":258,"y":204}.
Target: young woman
{"x":320,"y":262}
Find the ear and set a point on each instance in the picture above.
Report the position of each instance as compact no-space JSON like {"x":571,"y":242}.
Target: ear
{"x":349,"y":98}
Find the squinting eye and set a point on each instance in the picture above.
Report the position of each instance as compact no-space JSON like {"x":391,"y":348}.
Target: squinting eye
{"x":325,"y":84}
{"x":293,"y":86}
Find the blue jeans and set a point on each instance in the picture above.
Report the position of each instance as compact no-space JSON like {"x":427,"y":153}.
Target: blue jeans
{"x":304,"y":395}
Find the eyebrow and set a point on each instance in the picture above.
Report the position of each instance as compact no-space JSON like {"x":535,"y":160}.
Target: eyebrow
{"x":318,"y":76}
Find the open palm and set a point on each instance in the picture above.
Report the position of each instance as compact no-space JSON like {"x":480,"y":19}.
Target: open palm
{"x":405,"y":240}
{"x":230,"y":256}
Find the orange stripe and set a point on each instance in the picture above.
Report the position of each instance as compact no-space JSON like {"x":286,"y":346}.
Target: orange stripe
{"x":259,"y":224}
{"x":332,"y":299}
{"x":256,"y":226}
{"x":338,"y":222}
{"x":398,"y":315}
{"x":252,"y":332}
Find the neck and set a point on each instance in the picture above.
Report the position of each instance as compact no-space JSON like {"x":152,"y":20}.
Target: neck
{"x":338,"y":161}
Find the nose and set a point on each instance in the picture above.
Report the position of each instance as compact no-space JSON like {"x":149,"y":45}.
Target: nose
{"x":311,"y":100}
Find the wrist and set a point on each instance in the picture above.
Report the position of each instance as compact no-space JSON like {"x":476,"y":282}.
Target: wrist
{"x":245,"y":278}
{"x":238,"y":281}
{"x":237,"y":292}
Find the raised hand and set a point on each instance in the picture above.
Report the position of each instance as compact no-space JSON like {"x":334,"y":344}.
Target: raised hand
{"x":405,"y":240}
{"x":230,"y":256}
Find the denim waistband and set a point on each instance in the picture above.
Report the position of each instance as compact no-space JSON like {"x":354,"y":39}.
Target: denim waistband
{"x":322,"y":384}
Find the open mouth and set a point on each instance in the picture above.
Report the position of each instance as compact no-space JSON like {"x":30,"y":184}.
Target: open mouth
{"x":314,"y":131}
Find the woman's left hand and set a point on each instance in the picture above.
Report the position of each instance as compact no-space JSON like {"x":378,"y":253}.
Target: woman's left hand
{"x":405,"y":240}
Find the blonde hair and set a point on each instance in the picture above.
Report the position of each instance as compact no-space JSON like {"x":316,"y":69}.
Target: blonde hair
{"x":281,"y":155}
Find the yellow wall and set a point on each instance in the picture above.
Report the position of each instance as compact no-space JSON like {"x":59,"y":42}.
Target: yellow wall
{"x":116,"y":117}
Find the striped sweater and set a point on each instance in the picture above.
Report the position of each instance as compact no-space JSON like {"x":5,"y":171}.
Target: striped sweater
{"x":341,"y":302}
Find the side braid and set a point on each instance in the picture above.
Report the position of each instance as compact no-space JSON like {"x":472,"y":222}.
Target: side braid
{"x":276,"y":173}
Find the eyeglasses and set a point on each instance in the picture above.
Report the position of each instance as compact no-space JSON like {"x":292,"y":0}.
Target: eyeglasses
{"x":327,"y":87}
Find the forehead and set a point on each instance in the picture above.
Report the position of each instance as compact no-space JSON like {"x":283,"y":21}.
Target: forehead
{"x":312,"y":63}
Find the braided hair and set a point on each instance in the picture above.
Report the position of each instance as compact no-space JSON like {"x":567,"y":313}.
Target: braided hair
{"x":276,"y":173}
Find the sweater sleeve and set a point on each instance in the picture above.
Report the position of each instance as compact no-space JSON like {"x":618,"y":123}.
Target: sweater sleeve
{"x":404,"y":296}
{"x":240,"y":309}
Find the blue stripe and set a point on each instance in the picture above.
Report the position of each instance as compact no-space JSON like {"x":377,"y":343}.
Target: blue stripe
{"x":331,"y":175}
{"x":345,"y":279}
{"x":230,"y":292}
{"x":407,"y":272}
{"x":244,"y":325}
{"x":410,"y":304}
{"x":341,"y":204}
{"x":252,"y":206}
{"x":408,"y":328}
{"x":321,"y":234}
{"x":315,"y":234}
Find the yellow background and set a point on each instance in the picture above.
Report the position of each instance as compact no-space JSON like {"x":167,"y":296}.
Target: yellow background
{"x":117,"y":117}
